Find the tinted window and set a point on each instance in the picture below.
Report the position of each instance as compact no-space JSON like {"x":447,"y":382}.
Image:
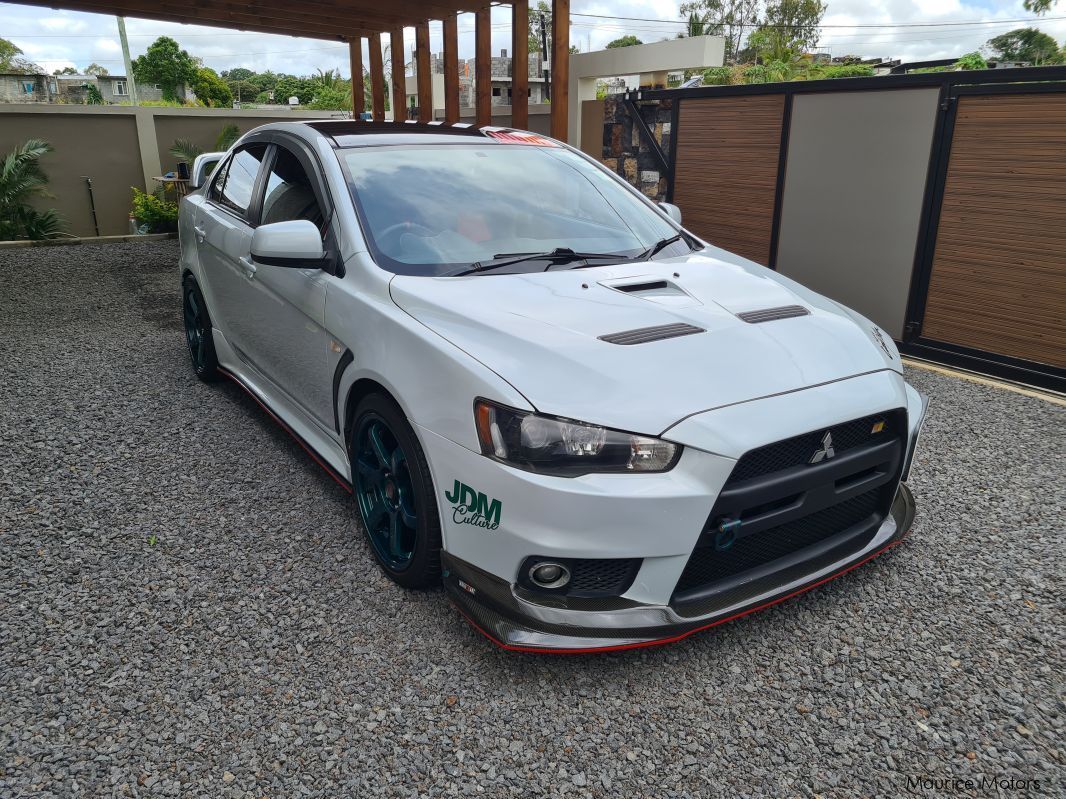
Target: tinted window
{"x":432,"y":208}
{"x":288,"y":192}
{"x":240,"y":177}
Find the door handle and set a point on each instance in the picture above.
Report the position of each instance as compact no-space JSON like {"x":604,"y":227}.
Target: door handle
{"x":201,"y":233}
{"x":247,"y":267}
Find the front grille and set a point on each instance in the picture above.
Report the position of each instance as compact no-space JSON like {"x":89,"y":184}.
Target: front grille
{"x":602,"y":575}
{"x":798,"y":450}
{"x":709,"y":565}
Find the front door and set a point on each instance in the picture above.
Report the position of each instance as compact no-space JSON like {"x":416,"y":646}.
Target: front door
{"x":284,"y":308}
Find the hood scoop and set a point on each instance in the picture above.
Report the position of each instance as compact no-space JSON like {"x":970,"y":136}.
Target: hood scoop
{"x":645,"y":335}
{"x":653,"y":289}
{"x":773,"y":314}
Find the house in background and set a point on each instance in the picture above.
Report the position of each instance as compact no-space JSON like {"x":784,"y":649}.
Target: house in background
{"x":18,"y":87}
{"x":502,"y":66}
{"x":74,"y":89}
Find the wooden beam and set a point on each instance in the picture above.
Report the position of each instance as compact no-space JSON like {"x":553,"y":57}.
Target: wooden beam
{"x":483,"y":65}
{"x":520,"y":64}
{"x":355,"y":54}
{"x":560,"y":67}
{"x":399,"y":84}
{"x":377,"y":78}
{"x":451,"y":69}
{"x":424,"y":72}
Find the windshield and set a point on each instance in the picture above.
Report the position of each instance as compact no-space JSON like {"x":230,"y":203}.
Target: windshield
{"x":437,"y":209}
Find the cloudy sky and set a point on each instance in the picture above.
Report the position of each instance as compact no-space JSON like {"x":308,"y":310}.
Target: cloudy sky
{"x":56,"y":39}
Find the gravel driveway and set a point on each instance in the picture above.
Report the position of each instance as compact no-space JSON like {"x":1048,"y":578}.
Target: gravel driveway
{"x":187,"y":607}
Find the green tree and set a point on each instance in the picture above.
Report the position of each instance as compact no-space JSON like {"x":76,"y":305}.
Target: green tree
{"x":1026,"y":44}
{"x":21,"y":178}
{"x":66,"y":71}
{"x":1039,"y":6}
{"x":971,"y":61}
{"x":96,"y":69}
{"x":540,"y":17}
{"x":210,"y":89}
{"x":167,"y":64}
{"x":788,"y":29}
{"x":93,"y":95}
{"x":727,"y":18}
{"x":624,"y":41}
{"x":11,"y":60}
{"x":329,"y":98}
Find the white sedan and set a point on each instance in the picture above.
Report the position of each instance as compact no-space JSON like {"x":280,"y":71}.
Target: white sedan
{"x":600,"y":431}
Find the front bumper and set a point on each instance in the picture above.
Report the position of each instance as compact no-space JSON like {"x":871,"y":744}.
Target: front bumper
{"x":515,"y":622}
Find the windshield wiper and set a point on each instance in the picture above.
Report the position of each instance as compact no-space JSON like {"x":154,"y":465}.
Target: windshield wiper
{"x":558,"y":255}
{"x":658,"y":247}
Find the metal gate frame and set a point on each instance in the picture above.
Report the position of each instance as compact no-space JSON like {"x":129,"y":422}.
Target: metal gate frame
{"x":952,"y":85}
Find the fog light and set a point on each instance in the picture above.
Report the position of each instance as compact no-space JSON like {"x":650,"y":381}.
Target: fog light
{"x":549,"y":575}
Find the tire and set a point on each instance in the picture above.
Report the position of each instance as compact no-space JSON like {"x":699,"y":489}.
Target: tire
{"x":198,"y":331}
{"x":394,"y":493}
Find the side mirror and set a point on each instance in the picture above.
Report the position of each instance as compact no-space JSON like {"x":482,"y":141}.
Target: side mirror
{"x":672,"y":211}
{"x":296,"y":244}
{"x":202,"y":168}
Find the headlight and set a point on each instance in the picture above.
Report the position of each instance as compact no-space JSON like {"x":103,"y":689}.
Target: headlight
{"x":548,"y":445}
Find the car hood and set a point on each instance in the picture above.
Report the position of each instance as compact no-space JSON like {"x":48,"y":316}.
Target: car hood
{"x":541,"y":332}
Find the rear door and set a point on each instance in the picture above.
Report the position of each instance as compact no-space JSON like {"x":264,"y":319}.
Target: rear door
{"x":225,"y":235}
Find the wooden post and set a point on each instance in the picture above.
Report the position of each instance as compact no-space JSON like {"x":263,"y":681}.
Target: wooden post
{"x":483,"y":65}
{"x":355,"y":52}
{"x":425,"y":73}
{"x":520,"y":64}
{"x":377,"y":78}
{"x":451,"y":69}
{"x":560,"y":67}
{"x":399,"y":84}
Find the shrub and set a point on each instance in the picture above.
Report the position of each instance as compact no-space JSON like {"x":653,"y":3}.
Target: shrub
{"x":153,"y":212}
{"x":21,"y":177}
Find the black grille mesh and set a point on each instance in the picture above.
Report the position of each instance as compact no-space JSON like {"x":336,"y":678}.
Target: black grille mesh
{"x":799,"y":450}
{"x":708,"y":565}
{"x":602,"y":576}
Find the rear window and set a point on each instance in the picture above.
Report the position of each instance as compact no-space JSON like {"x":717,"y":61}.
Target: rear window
{"x":434,"y":209}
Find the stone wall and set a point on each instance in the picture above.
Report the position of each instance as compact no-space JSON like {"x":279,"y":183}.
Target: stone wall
{"x":628,"y":152}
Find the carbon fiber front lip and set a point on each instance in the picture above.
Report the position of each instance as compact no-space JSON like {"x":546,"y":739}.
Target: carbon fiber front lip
{"x":517,"y":624}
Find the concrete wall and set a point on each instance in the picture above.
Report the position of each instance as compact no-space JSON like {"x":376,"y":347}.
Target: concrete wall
{"x":539,"y":117}
{"x":116,"y":147}
{"x":854,"y":182}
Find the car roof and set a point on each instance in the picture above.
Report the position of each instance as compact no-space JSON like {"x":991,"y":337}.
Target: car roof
{"x":345,"y":133}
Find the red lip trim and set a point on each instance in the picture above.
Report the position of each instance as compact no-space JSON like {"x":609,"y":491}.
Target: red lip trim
{"x":680,"y":636}
{"x":306,"y":448}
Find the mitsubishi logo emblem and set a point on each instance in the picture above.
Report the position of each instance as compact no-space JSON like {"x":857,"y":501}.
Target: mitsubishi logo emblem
{"x":826,"y":451}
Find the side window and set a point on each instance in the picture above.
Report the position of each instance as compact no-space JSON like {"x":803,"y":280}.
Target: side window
{"x":215,"y":192}
{"x":240,"y":177}
{"x":288,"y":192}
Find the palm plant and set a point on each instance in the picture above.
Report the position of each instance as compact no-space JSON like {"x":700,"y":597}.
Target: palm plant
{"x":185,"y":150}
{"x":21,"y":177}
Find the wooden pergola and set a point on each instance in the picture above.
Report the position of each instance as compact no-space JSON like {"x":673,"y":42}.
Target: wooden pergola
{"x":352,"y":21}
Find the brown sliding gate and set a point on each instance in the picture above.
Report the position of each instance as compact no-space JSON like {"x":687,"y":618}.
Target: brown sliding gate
{"x":935,"y":204}
{"x":997,"y":282}
{"x":737,"y":153}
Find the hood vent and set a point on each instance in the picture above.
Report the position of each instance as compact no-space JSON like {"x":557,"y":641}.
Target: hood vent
{"x":772,"y":314}
{"x":628,"y":288}
{"x":644,"y":335}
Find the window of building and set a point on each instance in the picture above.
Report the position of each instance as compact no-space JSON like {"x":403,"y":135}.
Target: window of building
{"x":27,"y":87}
{"x":120,"y":88}
{"x":496,"y":91}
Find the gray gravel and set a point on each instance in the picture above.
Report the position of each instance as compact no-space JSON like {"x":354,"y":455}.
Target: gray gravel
{"x":187,"y":607}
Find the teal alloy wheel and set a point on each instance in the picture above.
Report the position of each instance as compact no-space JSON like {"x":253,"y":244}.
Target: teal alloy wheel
{"x":198,"y":331}
{"x":195,"y":330}
{"x":385,"y":493}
